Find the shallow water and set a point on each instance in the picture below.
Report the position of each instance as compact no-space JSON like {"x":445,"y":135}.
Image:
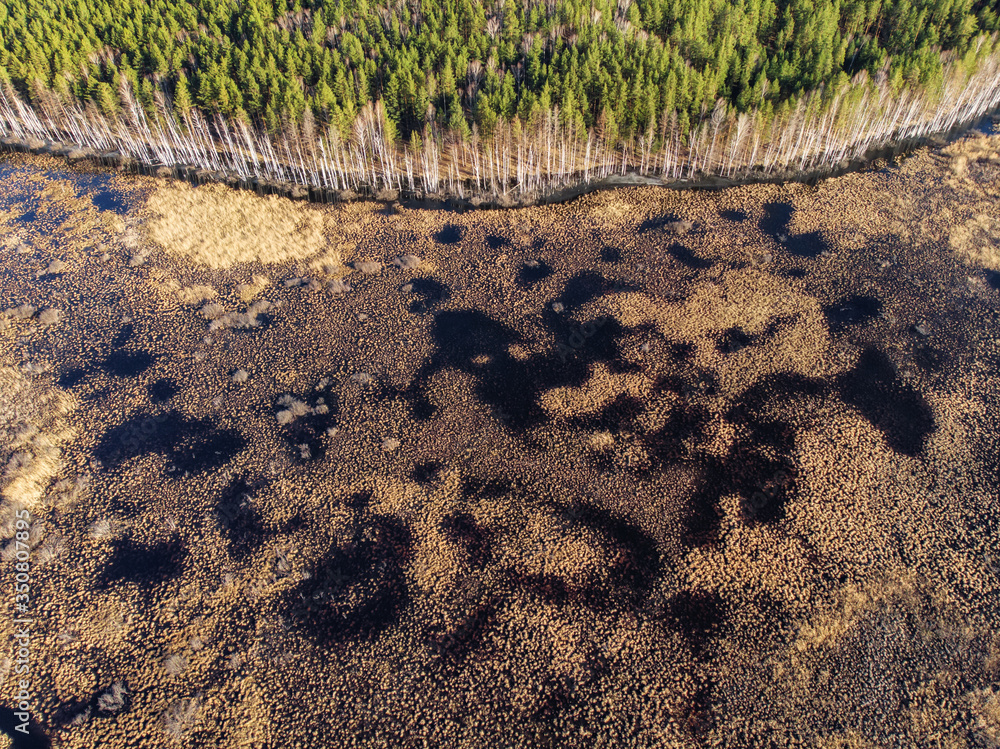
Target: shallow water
{"x":98,"y":186}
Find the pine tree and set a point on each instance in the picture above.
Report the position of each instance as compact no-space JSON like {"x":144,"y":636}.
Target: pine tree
{"x":486,"y":116}
{"x":106,"y":100}
{"x":507,"y":97}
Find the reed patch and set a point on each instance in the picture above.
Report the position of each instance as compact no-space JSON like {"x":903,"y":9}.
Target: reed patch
{"x":215,"y":226}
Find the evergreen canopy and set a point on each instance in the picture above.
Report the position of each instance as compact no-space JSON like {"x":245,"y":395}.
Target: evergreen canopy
{"x":616,"y":65}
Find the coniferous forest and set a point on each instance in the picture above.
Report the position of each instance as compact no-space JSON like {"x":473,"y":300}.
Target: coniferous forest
{"x":437,"y":94}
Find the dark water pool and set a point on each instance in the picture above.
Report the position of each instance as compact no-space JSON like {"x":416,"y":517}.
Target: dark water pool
{"x":19,"y":191}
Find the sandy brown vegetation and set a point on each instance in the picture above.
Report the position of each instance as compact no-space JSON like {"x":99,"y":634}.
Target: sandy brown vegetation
{"x":218,"y":227}
{"x":740,"y":490}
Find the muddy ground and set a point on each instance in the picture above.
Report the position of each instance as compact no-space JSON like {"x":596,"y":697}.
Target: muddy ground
{"x":649,"y":468}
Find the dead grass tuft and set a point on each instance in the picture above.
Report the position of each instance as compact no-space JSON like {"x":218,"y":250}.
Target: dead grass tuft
{"x":338,"y":286}
{"x":50,"y":316}
{"x":112,"y":700}
{"x":330,"y":264}
{"x":174,"y":664}
{"x":407,"y":262}
{"x":849,"y":739}
{"x":102,"y":529}
{"x":212,"y":311}
{"x":248,"y":319}
{"x":601,"y":440}
{"x":65,"y":493}
{"x":195,"y":295}
{"x":23,"y":312}
{"x":293,"y":409}
{"x":681,"y":227}
{"x":249,"y":291}
{"x":51,"y":549}
{"x":181,"y":716}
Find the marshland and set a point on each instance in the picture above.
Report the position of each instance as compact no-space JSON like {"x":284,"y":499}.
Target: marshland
{"x":645,"y":468}
{"x":641,"y":467}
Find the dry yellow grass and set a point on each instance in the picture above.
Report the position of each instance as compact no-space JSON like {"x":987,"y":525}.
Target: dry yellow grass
{"x":215,"y":226}
{"x":977,"y":148}
{"x":33,"y":430}
{"x":173,"y":291}
{"x":978,"y":241}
